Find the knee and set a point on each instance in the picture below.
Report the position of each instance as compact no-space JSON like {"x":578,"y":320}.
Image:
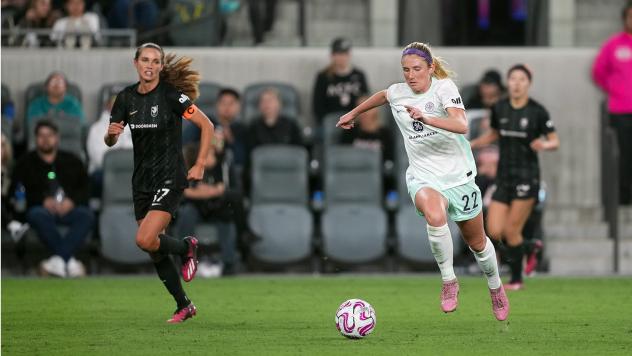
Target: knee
{"x":37,"y":213}
{"x":147,"y":243}
{"x":85,"y":214}
{"x":512,"y":232}
{"x":435,"y":217}
{"x":494,"y":232}
{"x":477,"y":244}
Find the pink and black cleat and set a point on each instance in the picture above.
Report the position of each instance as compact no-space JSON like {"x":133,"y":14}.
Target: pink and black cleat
{"x":183,"y":314}
{"x":449,"y":294}
{"x":532,"y":259}
{"x":500,"y":303}
{"x":190,"y":262}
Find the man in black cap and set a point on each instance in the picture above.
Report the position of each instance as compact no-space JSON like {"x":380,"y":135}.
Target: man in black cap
{"x":490,"y":89}
{"x":339,"y":85}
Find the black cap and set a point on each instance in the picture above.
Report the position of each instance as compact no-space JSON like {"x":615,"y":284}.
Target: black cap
{"x":340,"y":45}
{"x":492,"y":77}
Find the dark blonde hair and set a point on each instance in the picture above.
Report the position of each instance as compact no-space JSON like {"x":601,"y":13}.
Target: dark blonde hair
{"x":441,"y":71}
{"x":176,"y":71}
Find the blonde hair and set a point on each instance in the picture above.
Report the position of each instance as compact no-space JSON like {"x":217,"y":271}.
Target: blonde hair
{"x":441,"y":70}
{"x":176,"y":71}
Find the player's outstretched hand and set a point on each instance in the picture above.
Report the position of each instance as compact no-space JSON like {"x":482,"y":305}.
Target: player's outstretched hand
{"x":116,"y":128}
{"x":414,"y":113}
{"x":346,"y":121}
{"x":196,"y":172}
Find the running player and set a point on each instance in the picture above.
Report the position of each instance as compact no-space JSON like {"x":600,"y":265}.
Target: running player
{"x":429,"y":112}
{"x":519,"y":123}
{"x":153,"y":109}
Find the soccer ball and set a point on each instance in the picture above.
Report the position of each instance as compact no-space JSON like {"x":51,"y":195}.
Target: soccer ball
{"x":355,"y":318}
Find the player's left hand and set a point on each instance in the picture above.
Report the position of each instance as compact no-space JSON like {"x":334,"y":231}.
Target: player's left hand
{"x":538,"y":144}
{"x":196,"y":172}
{"x":415,"y":113}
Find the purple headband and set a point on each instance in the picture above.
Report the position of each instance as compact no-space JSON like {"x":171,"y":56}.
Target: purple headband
{"x":420,"y":53}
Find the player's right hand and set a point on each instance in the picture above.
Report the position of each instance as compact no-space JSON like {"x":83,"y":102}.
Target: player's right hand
{"x":116,"y":128}
{"x":346,"y":121}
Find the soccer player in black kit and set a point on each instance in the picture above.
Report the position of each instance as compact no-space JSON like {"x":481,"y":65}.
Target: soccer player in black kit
{"x":519,"y":123}
{"x":153,"y":109}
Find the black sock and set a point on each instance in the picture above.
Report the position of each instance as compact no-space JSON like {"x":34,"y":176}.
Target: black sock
{"x":514,"y":256}
{"x":169,"y":276}
{"x":172,"y":246}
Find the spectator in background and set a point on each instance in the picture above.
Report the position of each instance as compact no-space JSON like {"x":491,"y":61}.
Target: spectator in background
{"x":57,"y":189}
{"x":262,"y":14}
{"x":228,"y":107}
{"x":7,"y":161}
{"x":56,"y":101}
{"x":338,"y":87}
{"x":612,"y":71}
{"x":79,"y":28}
{"x":145,"y":14}
{"x":97,"y":149}
{"x":40,"y":16}
{"x":271,"y":127}
{"x":489,"y":90}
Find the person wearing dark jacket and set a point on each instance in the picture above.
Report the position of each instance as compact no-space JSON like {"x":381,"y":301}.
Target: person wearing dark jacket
{"x":57,"y":190}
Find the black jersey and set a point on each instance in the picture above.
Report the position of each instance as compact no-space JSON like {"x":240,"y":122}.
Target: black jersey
{"x":155,"y":119}
{"x":517,"y":128}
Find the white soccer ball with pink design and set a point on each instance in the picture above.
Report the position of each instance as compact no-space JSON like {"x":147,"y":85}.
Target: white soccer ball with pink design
{"x":355,"y":318}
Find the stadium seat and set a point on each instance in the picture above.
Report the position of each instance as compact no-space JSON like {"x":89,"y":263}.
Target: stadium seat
{"x":71,"y":134}
{"x":354,"y":224}
{"x":331,"y":133}
{"x":107,"y":91}
{"x":117,"y":223}
{"x":279,"y":212}
{"x":208,"y":97}
{"x":7,"y":125}
{"x":290,"y":104}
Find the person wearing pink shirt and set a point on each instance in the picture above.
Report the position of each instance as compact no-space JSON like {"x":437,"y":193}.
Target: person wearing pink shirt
{"x":612,"y":71}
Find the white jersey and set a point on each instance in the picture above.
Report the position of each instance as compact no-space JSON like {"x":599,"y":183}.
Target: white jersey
{"x":436,"y":157}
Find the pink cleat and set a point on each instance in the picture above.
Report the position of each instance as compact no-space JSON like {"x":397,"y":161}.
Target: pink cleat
{"x":500,"y":303}
{"x":183,"y":314}
{"x":532,"y":259}
{"x":449,"y":294}
{"x":190,"y":262}
{"x":513,"y":286}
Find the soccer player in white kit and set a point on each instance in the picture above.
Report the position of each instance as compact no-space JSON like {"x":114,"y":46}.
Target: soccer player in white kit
{"x":430,"y":114}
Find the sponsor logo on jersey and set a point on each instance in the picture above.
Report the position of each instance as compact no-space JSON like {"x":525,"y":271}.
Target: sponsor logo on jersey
{"x":143,"y":126}
{"x":154,"y":111}
{"x":510,"y":133}
{"x":524,"y":122}
{"x":504,"y":120}
{"x":429,"y":106}
{"x":456,"y":100}
{"x":418,"y":126}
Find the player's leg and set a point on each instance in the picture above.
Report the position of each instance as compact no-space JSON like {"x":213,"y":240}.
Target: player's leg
{"x":483,"y":250}
{"x":497,"y":213}
{"x":433,"y":206}
{"x":519,"y":212}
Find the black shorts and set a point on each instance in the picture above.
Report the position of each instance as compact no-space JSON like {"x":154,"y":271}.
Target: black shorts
{"x":163,"y":199}
{"x":506,"y":191}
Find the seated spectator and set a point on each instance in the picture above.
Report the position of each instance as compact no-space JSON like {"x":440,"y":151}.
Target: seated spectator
{"x":56,"y":101}
{"x":486,"y":166}
{"x":228,"y":107}
{"x":271,"y":127}
{"x":97,"y":149}
{"x":490,"y":89}
{"x":145,"y":14}
{"x":214,"y":198}
{"x":39,"y":15}
{"x":57,"y":189}
{"x":338,"y":87}
{"x":79,"y":28}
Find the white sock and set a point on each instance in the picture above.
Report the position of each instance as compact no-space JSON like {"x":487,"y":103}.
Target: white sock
{"x":487,"y":262}
{"x":441,"y":246}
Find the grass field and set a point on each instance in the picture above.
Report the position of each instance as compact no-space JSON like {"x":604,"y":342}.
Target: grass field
{"x":295,"y":315}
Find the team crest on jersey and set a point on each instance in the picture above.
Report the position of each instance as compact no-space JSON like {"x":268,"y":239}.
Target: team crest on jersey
{"x":429,"y":106}
{"x":418,"y":126}
{"x":154,"y":111}
{"x":524,"y":122}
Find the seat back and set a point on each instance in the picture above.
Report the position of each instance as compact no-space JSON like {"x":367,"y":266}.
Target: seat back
{"x":208,"y":97}
{"x":353,"y":176}
{"x":279,"y":175}
{"x":195,"y":22}
{"x":107,"y":91}
{"x":290,"y":105}
{"x":118,"y":168}
{"x":331,"y":133}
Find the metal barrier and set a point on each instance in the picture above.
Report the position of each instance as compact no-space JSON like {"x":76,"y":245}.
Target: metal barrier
{"x":610,"y":181}
{"x":23,"y":37}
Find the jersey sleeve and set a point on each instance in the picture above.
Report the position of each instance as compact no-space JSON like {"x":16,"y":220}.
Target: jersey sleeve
{"x":178,"y":101}
{"x":119,"y":109}
{"x":545,"y":124}
{"x":449,"y":95}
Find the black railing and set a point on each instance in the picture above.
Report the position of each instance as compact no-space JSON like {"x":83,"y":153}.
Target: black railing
{"x":610,"y":181}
